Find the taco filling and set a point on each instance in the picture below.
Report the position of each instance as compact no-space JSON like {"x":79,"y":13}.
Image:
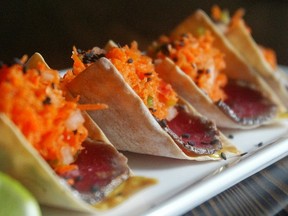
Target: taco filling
{"x":33,"y":100}
{"x":192,"y":134}
{"x":226,"y":23}
{"x":203,"y":63}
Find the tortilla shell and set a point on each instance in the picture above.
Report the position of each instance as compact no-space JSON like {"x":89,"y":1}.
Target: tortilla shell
{"x":127,"y":122}
{"x":22,"y":161}
{"x":185,"y":87}
{"x":236,"y":67}
{"x":248,"y":48}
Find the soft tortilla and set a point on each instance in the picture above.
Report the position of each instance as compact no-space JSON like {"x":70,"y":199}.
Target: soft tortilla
{"x":22,"y":161}
{"x":236,"y":68}
{"x":248,"y":48}
{"x":127,"y":123}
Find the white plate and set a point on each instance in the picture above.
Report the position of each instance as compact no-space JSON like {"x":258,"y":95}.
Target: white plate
{"x":183,"y":185}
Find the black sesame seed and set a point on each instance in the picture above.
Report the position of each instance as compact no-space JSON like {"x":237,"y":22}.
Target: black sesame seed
{"x":75,"y":132}
{"x":24,"y":69}
{"x":214,"y":142}
{"x":130,"y":60}
{"x":191,"y":143}
{"x":260,"y":144}
{"x":148,"y":74}
{"x":149,"y":79}
{"x":152,"y":110}
{"x":181,"y":107}
{"x":90,"y":57}
{"x":47,"y":101}
{"x":164,"y":49}
{"x":230,"y":136}
{"x":163,"y":123}
{"x":243,"y":154}
{"x":94,"y":189}
{"x":78,"y":178}
{"x":223,"y":156}
{"x":186,"y":135}
{"x":200,"y":71}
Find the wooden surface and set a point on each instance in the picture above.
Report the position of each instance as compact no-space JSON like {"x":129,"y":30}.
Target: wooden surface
{"x":264,"y":193}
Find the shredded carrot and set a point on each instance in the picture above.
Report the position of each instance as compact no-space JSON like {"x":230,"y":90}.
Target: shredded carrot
{"x":222,"y":16}
{"x":237,"y":17}
{"x":32,"y":99}
{"x":216,"y":13}
{"x":200,"y":60}
{"x":78,"y":67}
{"x":139,"y":72}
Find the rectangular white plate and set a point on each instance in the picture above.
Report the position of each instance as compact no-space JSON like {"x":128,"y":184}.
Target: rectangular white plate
{"x":183,"y":185}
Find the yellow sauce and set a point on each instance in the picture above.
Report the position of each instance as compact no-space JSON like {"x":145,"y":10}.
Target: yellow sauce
{"x":225,"y":149}
{"x":124,"y":191}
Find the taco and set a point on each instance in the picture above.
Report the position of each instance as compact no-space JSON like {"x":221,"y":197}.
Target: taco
{"x":203,"y":68}
{"x":61,"y":156}
{"x":145,"y":115}
{"x":263,"y":59}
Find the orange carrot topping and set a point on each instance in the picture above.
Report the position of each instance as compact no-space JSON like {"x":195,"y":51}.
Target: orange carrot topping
{"x":198,"y":59}
{"x":220,"y":15}
{"x":223,"y":16}
{"x":32,"y":99}
{"x":78,"y":67}
{"x":270,"y":56}
{"x":237,"y":17}
{"x":139,"y":72}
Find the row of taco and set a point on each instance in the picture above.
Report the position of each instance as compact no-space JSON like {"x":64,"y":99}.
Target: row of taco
{"x":168,"y":101}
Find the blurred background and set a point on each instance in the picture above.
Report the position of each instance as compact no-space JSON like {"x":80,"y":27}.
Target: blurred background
{"x":53,"y":27}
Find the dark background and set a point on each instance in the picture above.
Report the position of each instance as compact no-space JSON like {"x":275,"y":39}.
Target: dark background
{"x":53,"y":27}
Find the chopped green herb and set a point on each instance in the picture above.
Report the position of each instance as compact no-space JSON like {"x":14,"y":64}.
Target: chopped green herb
{"x":201,"y":31}
{"x":225,"y":17}
{"x":150,"y":102}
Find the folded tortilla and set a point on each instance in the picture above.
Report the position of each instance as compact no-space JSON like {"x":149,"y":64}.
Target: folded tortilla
{"x":128,"y":122}
{"x":236,"y":69}
{"x":21,"y":160}
{"x":242,"y":40}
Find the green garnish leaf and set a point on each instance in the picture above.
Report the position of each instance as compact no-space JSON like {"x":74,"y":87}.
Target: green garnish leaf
{"x":225,"y":17}
{"x":150,"y":102}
